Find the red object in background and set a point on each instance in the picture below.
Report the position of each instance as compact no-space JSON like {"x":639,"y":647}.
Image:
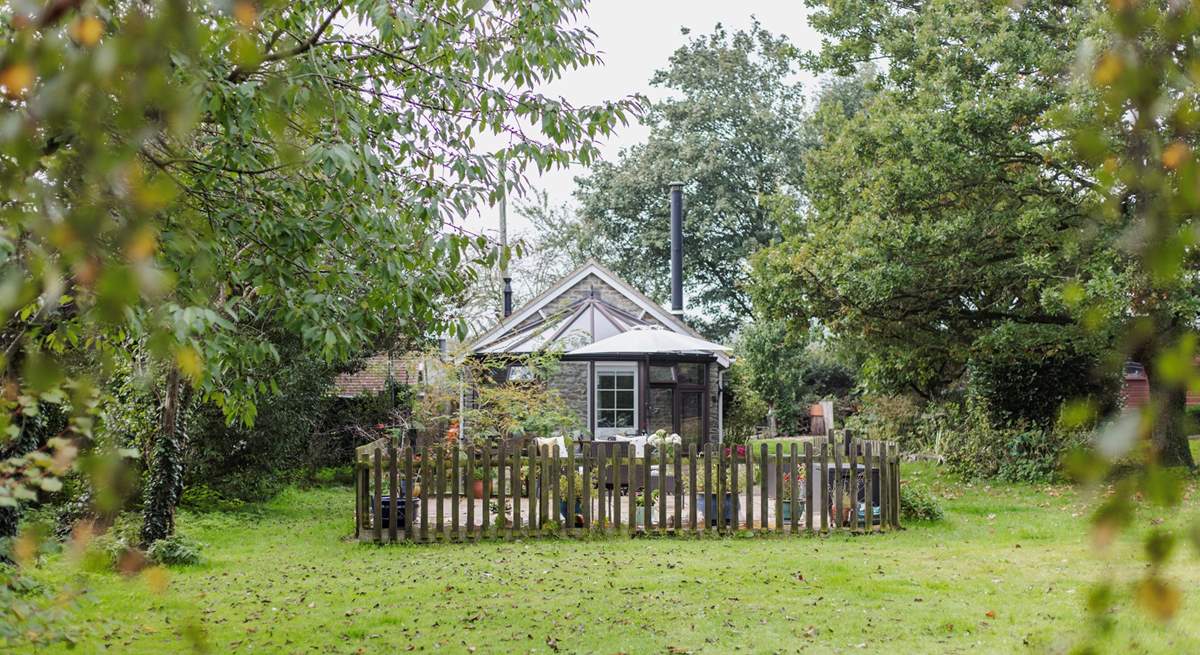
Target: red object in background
{"x":1136,"y":389}
{"x":741,"y":450}
{"x":452,"y":432}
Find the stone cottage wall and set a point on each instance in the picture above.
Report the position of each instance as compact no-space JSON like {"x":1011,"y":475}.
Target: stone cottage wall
{"x":571,"y":382}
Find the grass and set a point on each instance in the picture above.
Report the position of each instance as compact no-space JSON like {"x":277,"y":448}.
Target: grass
{"x":1007,"y":571}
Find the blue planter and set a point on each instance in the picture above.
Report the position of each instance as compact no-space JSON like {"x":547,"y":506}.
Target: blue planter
{"x":386,"y":519}
{"x":709,"y":509}
{"x":567,"y":519}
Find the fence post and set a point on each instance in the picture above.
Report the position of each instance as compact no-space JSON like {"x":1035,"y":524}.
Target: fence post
{"x":408,"y":493}
{"x":617,"y":470}
{"x":515,"y":486}
{"x":631,"y":454}
{"x":678,"y":490}
{"x":793,"y":491}
{"x":824,"y":486}
{"x":394,"y":502}
{"x":853,"y":457}
{"x":838,"y":514}
{"x":357,"y":499}
{"x":531,"y":487}
{"x":455,"y":483}
{"x":662,"y":488}
{"x":749,"y":488}
{"x":484,"y":510}
{"x":778,"y":487}
{"x":868,"y":489}
{"x":809,"y":474}
{"x":426,"y":465}
{"x":720,"y":488}
{"x":735,"y":507}
{"x":708,"y":485}
{"x":586,"y":491}
{"x":692,"y":486}
{"x":469,"y":491}
{"x":601,"y":501}
{"x":764,"y":467}
{"x":570,"y":518}
{"x":377,"y":519}
{"x":647,"y":490}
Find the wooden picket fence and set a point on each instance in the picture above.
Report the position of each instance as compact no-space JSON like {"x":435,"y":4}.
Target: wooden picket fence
{"x":527,"y":492}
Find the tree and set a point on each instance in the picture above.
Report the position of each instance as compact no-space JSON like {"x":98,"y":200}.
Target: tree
{"x":789,"y":371}
{"x":300,"y":167}
{"x":951,"y":204}
{"x":734,"y":133}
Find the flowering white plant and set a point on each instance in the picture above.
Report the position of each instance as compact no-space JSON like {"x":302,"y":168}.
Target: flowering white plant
{"x":660,"y":440}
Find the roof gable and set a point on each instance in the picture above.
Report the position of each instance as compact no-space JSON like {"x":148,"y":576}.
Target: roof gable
{"x":587,"y":304}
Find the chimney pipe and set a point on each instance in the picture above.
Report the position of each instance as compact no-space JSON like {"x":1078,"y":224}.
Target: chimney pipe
{"x":677,"y":248}
{"x":507,"y":296}
{"x":506,"y":306}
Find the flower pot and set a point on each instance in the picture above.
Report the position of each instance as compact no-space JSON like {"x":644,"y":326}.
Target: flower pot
{"x":578,"y":520}
{"x":477,"y":489}
{"x":709,"y":509}
{"x":787,"y":509}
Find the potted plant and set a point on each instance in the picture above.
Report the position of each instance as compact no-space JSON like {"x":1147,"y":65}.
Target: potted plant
{"x":708,"y":498}
{"x":789,"y":503}
{"x":644,"y":504}
{"x":571,"y":518}
{"x":477,"y":482}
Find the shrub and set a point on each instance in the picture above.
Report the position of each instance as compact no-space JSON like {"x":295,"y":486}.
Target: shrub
{"x":176,"y":549}
{"x":981,"y":450}
{"x":889,"y":418}
{"x":918,"y":504}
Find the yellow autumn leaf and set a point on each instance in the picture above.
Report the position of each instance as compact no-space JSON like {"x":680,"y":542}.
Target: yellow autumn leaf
{"x":245,"y":13}
{"x":86,"y":30}
{"x":157,"y":579}
{"x":16,"y":79}
{"x":1159,"y":598}
{"x":1108,"y":69}
{"x":190,"y":363}
{"x":1175,"y":155}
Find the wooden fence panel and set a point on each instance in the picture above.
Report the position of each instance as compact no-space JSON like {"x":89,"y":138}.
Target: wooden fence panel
{"x":469,"y":490}
{"x":409,"y":512}
{"x":662,"y":488}
{"x":678,"y":490}
{"x":868,"y":488}
{"x":426,"y":478}
{"x":485,"y":511}
{"x":647,"y":491}
{"x":809,"y":498}
{"x":853,"y":461}
{"x":600,"y":496}
{"x":357,"y":500}
{"x":631,"y":454}
{"x":393,"y":498}
{"x":736,"y":505}
{"x":377,"y":518}
{"x":838,"y":513}
{"x":825,"y":486}
{"x":531,"y":488}
{"x":764,"y":496}
{"x":544,"y":517}
{"x":588,"y":452}
{"x":708,"y":486}
{"x":617,"y":470}
{"x":778,"y":487}
{"x":571,"y":504}
{"x":749,"y":488}
{"x":793,"y":491}
{"x":720,"y":454}
{"x":692,"y":487}
{"x":515,"y":485}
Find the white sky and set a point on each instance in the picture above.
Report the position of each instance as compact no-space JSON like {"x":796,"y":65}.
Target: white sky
{"x":635,"y":38}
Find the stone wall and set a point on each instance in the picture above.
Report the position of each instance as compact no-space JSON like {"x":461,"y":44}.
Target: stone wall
{"x":571,"y":382}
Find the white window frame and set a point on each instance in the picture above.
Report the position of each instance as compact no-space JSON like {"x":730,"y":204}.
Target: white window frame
{"x":616,"y":367}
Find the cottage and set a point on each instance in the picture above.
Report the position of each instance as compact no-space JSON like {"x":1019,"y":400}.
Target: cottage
{"x":630,"y":366}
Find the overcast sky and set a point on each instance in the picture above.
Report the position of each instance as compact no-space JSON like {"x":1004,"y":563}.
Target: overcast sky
{"x":636,"y":37}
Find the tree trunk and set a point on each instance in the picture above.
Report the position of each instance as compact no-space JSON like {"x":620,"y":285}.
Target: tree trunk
{"x":165,"y":482}
{"x":1170,"y":436}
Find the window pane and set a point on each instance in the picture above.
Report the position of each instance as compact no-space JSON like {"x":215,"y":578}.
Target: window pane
{"x":607,"y":400}
{"x":691,"y":373}
{"x":624,"y":419}
{"x":662,"y":409}
{"x":605,"y":381}
{"x":624,"y":381}
{"x":624,"y":400}
{"x":662,"y":374}
{"x":604,"y":419}
{"x":690,"y":417}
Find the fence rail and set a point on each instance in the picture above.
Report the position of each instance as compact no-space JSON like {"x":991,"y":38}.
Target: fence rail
{"x":603,"y":487}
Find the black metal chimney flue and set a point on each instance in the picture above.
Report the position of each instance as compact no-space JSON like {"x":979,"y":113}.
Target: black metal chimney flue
{"x":677,"y":248}
{"x":507,"y":297}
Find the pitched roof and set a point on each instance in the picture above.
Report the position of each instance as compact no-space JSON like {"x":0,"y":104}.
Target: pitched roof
{"x":581,"y":322}
{"x":373,"y":376}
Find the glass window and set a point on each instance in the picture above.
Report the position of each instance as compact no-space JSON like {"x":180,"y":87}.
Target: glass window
{"x":520,"y":374}
{"x":662,"y":374}
{"x":691,"y":417}
{"x":691,"y":373}
{"x":616,"y":400}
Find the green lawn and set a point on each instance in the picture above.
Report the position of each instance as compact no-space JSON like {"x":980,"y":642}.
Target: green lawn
{"x":1007,"y":571}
